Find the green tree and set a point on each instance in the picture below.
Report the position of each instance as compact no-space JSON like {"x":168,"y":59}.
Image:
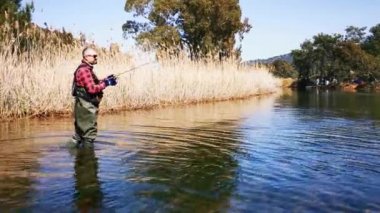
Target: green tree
{"x":324,"y":52}
{"x":340,"y":57}
{"x":283,"y":69}
{"x":204,"y":28}
{"x":14,"y":20}
{"x":353,"y":61}
{"x":20,"y":37}
{"x":372,"y":43}
{"x":355,"y":34}
{"x":316,"y":57}
{"x":11,"y":11}
{"x":303,"y":60}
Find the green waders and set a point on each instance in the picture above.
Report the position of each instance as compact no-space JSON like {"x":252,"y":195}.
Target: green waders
{"x":86,"y":114}
{"x":86,"y":110}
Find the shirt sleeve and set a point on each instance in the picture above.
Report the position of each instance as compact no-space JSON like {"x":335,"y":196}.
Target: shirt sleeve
{"x":84,"y":77}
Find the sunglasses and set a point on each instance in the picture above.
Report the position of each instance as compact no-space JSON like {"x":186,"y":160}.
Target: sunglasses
{"x":93,"y":56}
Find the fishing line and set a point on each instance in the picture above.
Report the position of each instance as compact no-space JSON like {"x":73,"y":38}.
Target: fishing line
{"x":133,"y":69}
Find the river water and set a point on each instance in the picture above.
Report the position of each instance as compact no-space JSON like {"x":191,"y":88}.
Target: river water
{"x":295,"y":151}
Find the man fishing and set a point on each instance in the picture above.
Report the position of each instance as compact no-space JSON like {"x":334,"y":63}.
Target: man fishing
{"x":88,"y":92}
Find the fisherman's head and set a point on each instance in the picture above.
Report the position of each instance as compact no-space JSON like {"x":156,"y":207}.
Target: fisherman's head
{"x":90,"y":55}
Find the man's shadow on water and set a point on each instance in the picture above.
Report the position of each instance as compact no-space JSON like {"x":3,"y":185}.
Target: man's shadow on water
{"x":88,"y":195}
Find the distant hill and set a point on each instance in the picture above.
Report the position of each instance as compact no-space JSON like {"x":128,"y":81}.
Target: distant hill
{"x":286,"y":57}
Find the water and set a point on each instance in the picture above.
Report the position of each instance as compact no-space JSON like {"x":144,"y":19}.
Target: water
{"x":317,"y":151}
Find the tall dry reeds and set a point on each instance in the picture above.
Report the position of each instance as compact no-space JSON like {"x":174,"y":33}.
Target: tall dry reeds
{"x":37,"y":81}
{"x":180,"y":81}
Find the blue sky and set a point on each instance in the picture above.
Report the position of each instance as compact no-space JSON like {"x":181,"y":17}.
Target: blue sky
{"x":279,"y":26}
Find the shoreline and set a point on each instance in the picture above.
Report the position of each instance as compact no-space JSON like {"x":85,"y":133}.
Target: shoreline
{"x":44,"y":89}
{"x":105,"y":111}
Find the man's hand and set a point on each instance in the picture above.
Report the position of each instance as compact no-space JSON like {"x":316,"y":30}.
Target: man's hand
{"x":110,"y":80}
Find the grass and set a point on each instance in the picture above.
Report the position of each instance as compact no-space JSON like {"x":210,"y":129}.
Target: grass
{"x":37,"y":82}
{"x":183,"y":81}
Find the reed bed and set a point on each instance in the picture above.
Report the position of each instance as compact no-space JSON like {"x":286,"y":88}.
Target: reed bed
{"x":37,"y":82}
{"x":183,"y":81}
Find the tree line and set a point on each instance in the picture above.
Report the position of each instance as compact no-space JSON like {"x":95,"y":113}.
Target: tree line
{"x":201,"y":28}
{"x":342,"y":58}
{"x":211,"y":29}
{"x":207,"y":28}
{"x":20,"y":37}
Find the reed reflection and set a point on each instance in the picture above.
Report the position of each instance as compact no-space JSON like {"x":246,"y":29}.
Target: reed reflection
{"x":181,"y":159}
{"x":186,"y":168}
{"x":88,"y":194}
{"x":18,"y":168}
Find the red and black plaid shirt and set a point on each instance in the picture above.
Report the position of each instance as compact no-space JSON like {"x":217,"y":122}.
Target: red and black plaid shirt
{"x":86,"y":78}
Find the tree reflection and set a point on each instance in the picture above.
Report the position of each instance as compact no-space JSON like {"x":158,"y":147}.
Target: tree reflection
{"x":351,"y":105}
{"x":194,"y":170}
{"x":88,"y":195}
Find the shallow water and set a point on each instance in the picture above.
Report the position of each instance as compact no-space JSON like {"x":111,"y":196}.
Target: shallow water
{"x":309,"y":151}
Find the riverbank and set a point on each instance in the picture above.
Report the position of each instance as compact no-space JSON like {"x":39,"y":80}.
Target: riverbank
{"x":344,"y":86}
{"x":43,"y":87}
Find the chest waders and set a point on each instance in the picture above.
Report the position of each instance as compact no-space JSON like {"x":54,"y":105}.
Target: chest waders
{"x":86,"y":110}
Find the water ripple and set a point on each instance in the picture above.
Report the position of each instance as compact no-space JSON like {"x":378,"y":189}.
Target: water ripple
{"x":281,"y":158}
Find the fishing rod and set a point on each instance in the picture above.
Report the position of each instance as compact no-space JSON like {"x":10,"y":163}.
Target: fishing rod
{"x":133,"y":69}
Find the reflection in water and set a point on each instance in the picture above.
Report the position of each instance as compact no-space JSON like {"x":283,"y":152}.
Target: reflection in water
{"x":303,"y":152}
{"x":354,"y":105}
{"x":172,"y":158}
{"x":187,"y":169}
{"x":189,"y":116}
{"x":311,"y":155}
{"x":17,"y":164}
{"x":88,"y":195}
